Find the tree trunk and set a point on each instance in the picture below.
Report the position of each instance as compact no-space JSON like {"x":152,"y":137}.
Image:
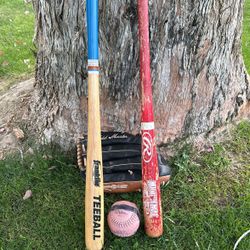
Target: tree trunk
{"x":198,"y":74}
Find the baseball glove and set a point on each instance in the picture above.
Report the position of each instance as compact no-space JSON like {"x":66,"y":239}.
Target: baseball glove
{"x":121,"y":155}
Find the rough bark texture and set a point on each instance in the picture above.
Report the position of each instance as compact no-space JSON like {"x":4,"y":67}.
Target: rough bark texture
{"x":198,"y":73}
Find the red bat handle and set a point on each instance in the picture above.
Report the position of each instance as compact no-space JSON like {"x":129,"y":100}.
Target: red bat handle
{"x":150,"y":175}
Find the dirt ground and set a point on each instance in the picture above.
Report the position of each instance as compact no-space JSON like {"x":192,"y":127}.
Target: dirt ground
{"x":13,"y":113}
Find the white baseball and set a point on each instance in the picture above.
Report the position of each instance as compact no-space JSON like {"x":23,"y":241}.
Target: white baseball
{"x":124,"y":218}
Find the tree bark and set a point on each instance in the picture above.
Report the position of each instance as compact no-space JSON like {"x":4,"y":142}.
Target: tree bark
{"x":198,"y":74}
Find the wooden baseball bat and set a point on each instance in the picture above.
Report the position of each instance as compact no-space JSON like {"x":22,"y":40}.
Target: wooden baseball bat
{"x":150,"y":174}
{"x":94,"y":195}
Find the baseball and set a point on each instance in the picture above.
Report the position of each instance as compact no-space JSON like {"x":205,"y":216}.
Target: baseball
{"x":124,"y":218}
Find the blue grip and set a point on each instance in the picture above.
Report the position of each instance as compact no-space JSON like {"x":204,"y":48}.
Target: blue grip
{"x":92,"y":27}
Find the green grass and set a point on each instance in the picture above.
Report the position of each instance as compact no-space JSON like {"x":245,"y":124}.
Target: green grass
{"x":52,"y":218}
{"x":246,"y":35}
{"x":206,"y":205}
{"x":16,"y":33}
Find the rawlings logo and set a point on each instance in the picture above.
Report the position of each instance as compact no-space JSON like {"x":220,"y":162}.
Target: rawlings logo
{"x":147,"y":144}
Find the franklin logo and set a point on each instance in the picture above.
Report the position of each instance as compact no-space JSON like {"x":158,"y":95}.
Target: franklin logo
{"x":97,"y":179}
{"x":147,"y":147}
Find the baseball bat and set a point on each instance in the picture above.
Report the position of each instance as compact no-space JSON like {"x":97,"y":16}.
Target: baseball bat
{"x":94,"y":195}
{"x":150,"y":175}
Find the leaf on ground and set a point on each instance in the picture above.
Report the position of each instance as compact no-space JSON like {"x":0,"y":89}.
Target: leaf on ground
{"x":26,"y":61}
{"x":1,"y":155}
{"x":1,"y":53}
{"x":47,"y":157}
{"x":27,"y":195}
{"x":19,"y":42}
{"x":52,"y":167}
{"x":5,"y":63}
{"x":32,"y":165}
{"x":18,"y":133}
{"x":30,"y":151}
{"x":190,"y":179}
